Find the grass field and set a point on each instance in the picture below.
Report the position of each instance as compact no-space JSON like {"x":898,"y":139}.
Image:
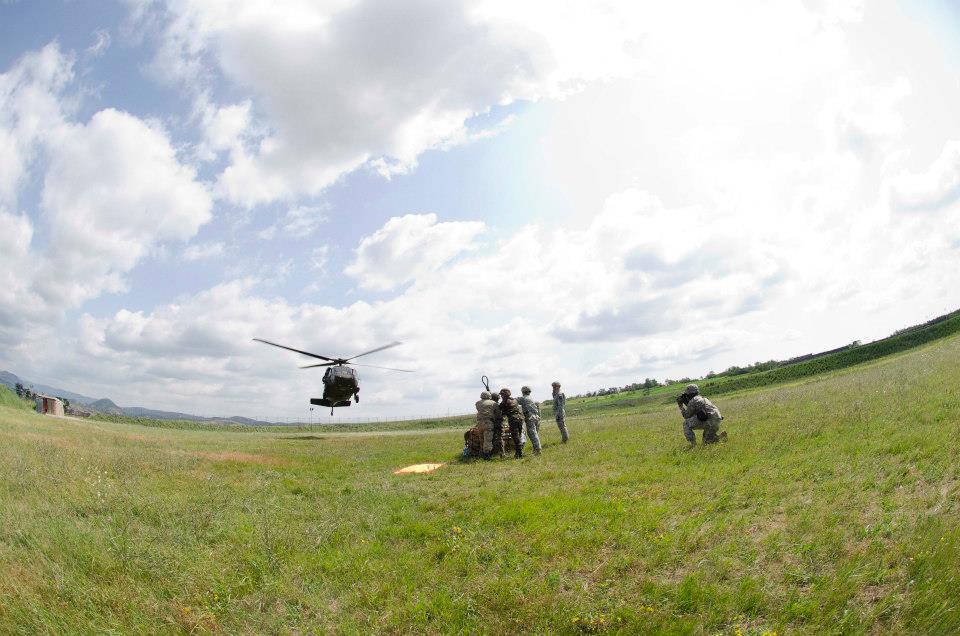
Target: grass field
{"x":833,"y":509}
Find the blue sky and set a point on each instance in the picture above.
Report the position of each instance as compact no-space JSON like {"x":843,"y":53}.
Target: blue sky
{"x":597,"y":193}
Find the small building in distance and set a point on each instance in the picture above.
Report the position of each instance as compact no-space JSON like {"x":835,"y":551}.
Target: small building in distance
{"x":49,"y":405}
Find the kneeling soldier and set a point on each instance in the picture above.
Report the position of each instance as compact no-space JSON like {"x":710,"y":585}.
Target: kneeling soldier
{"x":699,"y":413}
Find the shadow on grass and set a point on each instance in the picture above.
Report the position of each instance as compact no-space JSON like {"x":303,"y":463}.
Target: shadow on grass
{"x":304,"y":438}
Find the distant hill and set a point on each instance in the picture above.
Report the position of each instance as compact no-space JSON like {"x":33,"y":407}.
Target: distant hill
{"x":11,"y":380}
{"x":105,"y":405}
{"x":109,"y":407}
{"x":139,"y":411}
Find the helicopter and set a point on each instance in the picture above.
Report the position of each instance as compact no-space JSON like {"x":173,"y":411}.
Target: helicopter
{"x":340,"y":382}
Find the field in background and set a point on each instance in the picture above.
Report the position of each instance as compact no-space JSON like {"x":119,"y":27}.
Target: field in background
{"x":463,"y":421}
{"x":904,"y":340}
{"x":833,"y":509}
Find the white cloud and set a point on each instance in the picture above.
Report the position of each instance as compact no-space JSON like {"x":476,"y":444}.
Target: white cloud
{"x":649,"y":355}
{"x":100,"y":44}
{"x":298,"y":222}
{"x":203,"y":251}
{"x":937,"y":187}
{"x":870,"y":119}
{"x":319,"y":257}
{"x":30,"y":106}
{"x":112,"y":189}
{"x":409,"y":247}
{"x":348,"y":84}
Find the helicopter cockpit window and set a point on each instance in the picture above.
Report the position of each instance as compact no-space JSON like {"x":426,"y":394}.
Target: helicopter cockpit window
{"x":341,"y":372}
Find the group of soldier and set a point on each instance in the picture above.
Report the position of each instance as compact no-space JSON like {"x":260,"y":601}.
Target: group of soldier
{"x":493,"y":409}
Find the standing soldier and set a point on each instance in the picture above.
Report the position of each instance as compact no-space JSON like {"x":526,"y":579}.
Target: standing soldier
{"x":487,"y":413}
{"x":497,"y":426}
{"x":559,"y":411}
{"x":514,"y":414}
{"x":531,"y":414}
{"x":699,"y":413}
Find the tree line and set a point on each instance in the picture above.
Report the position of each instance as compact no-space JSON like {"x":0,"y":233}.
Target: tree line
{"x":28,"y":394}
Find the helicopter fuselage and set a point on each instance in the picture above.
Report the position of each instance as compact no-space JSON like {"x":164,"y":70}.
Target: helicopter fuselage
{"x":340,"y":384}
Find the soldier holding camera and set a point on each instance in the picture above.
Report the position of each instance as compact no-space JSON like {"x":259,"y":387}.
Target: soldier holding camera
{"x":699,"y":413}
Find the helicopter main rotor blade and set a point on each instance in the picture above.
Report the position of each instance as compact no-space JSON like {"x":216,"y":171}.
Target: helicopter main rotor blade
{"x":392,"y":344}
{"x":306,"y":353}
{"x":373,"y":366}
{"x":322,"y":364}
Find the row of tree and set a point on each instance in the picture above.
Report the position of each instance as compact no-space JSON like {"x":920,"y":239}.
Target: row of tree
{"x":27,"y":393}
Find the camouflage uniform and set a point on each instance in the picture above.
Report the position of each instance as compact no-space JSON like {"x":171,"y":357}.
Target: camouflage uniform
{"x":531,"y":414}
{"x":497,"y":426}
{"x":700,"y":413}
{"x":488,"y":412}
{"x":559,"y":412}
{"x":514,"y":414}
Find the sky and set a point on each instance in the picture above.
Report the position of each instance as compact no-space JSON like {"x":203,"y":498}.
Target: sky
{"x":591,"y":192}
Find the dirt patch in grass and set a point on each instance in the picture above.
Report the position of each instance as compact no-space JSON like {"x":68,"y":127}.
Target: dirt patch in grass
{"x":417,"y":468}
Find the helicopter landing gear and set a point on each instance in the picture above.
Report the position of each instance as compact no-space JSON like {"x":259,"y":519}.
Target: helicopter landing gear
{"x":356,"y":397}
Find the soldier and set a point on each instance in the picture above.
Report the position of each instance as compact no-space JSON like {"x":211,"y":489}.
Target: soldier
{"x":514,"y":414}
{"x":531,"y":414}
{"x":488,"y":412}
{"x":497,"y":426}
{"x":699,"y":413}
{"x":559,"y":411}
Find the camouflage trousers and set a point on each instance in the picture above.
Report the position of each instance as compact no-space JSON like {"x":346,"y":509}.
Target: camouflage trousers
{"x":710,"y":429}
{"x":533,"y":432}
{"x":562,"y":425}
{"x":497,"y":438}
{"x":486,"y":430}
{"x":516,"y":428}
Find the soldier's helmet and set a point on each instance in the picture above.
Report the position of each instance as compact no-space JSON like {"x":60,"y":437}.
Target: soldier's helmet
{"x":505,"y":392}
{"x":554,"y":383}
{"x":525,"y":390}
{"x":692,"y":389}
{"x":485,"y":395}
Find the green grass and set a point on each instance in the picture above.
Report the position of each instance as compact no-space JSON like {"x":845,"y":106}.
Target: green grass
{"x":833,"y":509}
{"x":10,"y":400}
